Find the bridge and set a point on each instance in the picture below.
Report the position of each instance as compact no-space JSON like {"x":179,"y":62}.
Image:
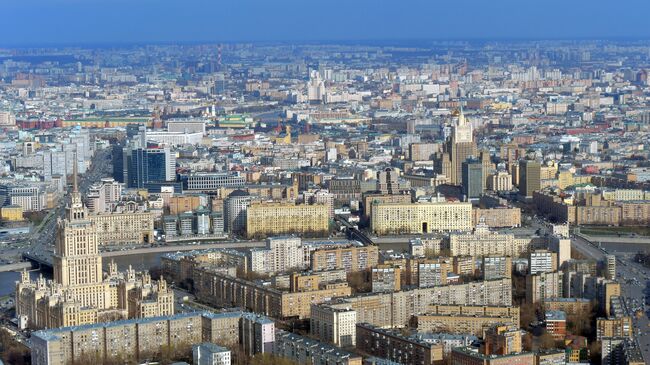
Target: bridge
{"x":354,"y":233}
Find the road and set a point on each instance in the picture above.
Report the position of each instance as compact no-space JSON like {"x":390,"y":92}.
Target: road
{"x":146,"y":250}
{"x":635,"y":285}
{"x":43,"y":238}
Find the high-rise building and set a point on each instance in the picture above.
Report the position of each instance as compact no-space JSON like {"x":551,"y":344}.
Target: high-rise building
{"x":458,"y":148}
{"x":472,"y":179}
{"x":79,"y":293}
{"x":146,"y":165}
{"x":210,"y":354}
{"x":235,"y":209}
{"x":542,"y":261}
{"x":387,"y":181}
{"x":333,"y":325}
{"x":530,"y":177}
{"x":497,"y":267}
{"x":256,"y":334}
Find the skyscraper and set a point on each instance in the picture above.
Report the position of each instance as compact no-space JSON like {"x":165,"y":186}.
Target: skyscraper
{"x":79,"y":293}
{"x":458,"y":148}
{"x":530,"y":177}
{"x":472,"y":179}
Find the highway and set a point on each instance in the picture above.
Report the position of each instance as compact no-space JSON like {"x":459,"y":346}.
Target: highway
{"x":147,"y":250}
{"x":43,"y":238}
{"x":635,"y":284}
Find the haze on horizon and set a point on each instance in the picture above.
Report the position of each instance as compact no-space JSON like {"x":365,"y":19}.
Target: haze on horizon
{"x":45,"y":22}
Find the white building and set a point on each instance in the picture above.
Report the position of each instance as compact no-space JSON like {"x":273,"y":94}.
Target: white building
{"x":337,"y":326}
{"x":542,"y":261}
{"x":280,"y":254}
{"x":210,"y":354}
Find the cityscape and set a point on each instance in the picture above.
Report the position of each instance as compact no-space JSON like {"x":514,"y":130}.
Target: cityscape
{"x":417,"y":202}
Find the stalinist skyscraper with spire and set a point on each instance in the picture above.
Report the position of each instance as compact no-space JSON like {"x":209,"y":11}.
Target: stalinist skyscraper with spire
{"x":457,"y":149}
{"x":80,"y":292}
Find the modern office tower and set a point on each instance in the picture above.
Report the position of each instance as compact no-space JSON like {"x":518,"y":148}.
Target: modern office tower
{"x":417,"y":218}
{"x":210,"y":354}
{"x":235,"y":209}
{"x":79,"y":293}
{"x":147,"y":165}
{"x":472,"y":179}
{"x":256,"y":334}
{"x":280,"y":254}
{"x":610,"y":266}
{"x":387,"y":181}
{"x":277,"y":218}
{"x":497,"y":267}
{"x":541,"y":261}
{"x":385,"y":279}
{"x":333,"y":325}
{"x":530,"y":177}
{"x":458,"y":148}
{"x":499,"y":181}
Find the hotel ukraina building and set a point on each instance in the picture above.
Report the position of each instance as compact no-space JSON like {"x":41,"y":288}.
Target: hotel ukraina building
{"x":80,"y":292}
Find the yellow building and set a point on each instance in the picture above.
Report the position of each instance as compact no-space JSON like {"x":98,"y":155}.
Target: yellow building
{"x":275,"y":218}
{"x":124,"y":228}
{"x":79,"y":292}
{"x":418,"y":218}
{"x":12,"y":213}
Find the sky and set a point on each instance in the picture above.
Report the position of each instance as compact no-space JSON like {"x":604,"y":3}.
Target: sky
{"x":87,"y":22}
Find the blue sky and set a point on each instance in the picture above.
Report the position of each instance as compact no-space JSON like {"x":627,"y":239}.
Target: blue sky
{"x":34,"y":22}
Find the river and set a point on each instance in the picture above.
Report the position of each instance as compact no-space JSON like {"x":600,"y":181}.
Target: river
{"x":138,"y":262}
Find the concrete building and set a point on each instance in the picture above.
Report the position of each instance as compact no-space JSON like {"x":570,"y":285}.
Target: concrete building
{"x":276,"y":218}
{"x":351,"y":256}
{"x":496,"y":267}
{"x":483,"y":242}
{"x":419,"y":218}
{"x":333,"y":325}
{"x":132,"y":339}
{"x":256,"y":334}
{"x":542,"y":261}
{"x":396,"y":309}
{"x":542,"y":286}
{"x":385,"y":278}
{"x":394,"y":346}
{"x":280,"y":254}
{"x":210,"y":354}
{"x":473,"y":182}
{"x":303,"y":350}
{"x":79,"y":292}
{"x":465,"y":319}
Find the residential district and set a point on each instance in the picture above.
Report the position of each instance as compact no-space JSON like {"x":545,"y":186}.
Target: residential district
{"x":445,"y":203}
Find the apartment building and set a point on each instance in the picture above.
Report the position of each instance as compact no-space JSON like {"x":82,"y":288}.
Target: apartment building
{"x":333,"y":325}
{"x":268,"y":219}
{"x":393,"y":346}
{"x":304,"y":350}
{"x":420,"y":218}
